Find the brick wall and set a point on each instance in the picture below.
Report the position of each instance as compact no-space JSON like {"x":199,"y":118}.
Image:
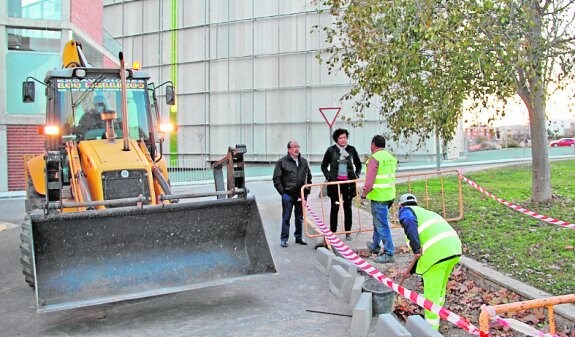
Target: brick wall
{"x":23,"y":140}
{"x":87,"y":15}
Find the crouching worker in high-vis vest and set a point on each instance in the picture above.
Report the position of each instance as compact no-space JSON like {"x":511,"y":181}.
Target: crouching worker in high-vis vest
{"x":436,"y":248}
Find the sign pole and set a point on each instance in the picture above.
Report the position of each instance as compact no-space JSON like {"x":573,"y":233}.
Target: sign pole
{"x":330,"y":121}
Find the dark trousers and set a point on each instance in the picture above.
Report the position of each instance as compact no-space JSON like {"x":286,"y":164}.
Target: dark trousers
{"x":290,"y":203}
{"x":346,"y":213}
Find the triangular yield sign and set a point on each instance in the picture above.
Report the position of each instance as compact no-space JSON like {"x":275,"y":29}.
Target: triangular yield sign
{"x":330,"y":114}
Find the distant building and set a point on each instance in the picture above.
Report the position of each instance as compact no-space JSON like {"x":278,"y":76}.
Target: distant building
{"x":558,"y":128}
{"x":32,"y":35}
{"x":246,"y":72}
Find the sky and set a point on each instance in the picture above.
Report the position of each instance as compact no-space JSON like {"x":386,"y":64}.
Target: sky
{"x":561,"y":106}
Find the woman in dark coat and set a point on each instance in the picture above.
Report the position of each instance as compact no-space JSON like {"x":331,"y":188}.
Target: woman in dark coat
{"x":341,"y":162}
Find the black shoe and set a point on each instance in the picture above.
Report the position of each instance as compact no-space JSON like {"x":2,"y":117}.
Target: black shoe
{"x":284,"y":244}
{"x":301,"y":242}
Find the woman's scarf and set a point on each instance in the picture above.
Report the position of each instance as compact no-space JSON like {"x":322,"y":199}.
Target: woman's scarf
{"x":342,"y":163}
{"x":342,"y":152}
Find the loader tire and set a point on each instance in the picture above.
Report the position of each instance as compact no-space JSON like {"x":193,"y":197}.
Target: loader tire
{"x":34,"y":200}
{"x":26,"y":252}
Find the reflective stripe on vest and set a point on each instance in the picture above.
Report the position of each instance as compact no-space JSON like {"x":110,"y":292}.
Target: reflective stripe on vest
{"x":384,"y":184}
{"x":437,"y":238}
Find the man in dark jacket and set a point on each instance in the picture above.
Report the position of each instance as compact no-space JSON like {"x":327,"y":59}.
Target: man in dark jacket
{"x":290,"y":174}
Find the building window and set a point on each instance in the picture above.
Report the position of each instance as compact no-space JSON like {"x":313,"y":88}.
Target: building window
{"x":35,"y":9}
{"x":19,"y":66}
{"x":33,"y":40}
{"x":30,"y":53}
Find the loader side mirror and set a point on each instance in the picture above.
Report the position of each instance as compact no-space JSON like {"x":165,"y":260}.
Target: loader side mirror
{"x":170,"y":95}
{"x":28,"y":91}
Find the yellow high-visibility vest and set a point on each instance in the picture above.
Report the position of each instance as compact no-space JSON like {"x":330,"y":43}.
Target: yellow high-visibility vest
{"x":384,"y":184}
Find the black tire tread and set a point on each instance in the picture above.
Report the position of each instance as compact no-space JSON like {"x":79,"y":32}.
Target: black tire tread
{"x":34,"y":200}
{"x":26,"y":252}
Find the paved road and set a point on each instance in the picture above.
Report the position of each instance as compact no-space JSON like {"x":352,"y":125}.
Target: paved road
{"x":267,"y":306}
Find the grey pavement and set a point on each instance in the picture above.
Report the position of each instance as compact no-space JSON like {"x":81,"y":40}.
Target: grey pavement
{"x":270,"y":305}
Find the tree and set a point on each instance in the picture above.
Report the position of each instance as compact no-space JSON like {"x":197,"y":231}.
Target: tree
{"x":423,"y":59}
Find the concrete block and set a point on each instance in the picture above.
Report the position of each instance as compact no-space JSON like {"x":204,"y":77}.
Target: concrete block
{"x":388,"y":326}
{"x":418,"y":327}
{"x":361,"y":316}
{"x":323,"y":260}
{"x":349,"y":266}
{"x":356,"y":290}
{"x":340,"y":282}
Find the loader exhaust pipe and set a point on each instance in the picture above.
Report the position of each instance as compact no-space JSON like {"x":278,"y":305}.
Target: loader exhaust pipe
{"x":125,"y":124}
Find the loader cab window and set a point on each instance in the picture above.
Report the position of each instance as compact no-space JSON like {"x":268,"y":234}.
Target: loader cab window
{"x":81,"y":107}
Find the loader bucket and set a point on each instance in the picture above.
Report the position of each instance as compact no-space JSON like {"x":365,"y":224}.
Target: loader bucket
{"x":95,"y":257}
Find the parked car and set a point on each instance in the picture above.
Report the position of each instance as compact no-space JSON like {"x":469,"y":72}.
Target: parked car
{"x":563,"y":142}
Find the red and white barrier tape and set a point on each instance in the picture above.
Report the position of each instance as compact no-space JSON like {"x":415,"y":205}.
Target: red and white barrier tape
{"x":514,"y":324}
{"x":350,"y":255}
{"x":518,"y":208}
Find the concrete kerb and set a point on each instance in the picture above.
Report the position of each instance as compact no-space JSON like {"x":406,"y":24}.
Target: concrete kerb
{"x":492,"y":279}
{"x":349,"y":266}
{"x":418,"y":327}
{"x":356,"y":290}
{"x":388,"y":326}
{"x":324,"y":258}
{"x":340,"y":282}
{"x":361,"y":317}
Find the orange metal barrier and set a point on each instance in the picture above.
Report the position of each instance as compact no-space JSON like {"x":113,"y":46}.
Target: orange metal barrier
{"x":520,"y":306}
{"x":319,"y":204}
{"x":439,"y":191}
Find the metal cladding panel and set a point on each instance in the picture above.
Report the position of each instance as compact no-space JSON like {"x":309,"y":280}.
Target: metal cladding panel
{"x":98,"y":257}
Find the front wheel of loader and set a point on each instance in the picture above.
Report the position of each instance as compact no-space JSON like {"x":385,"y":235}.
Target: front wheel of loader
{"x":34,"y":200}
{"x":26,"y":252}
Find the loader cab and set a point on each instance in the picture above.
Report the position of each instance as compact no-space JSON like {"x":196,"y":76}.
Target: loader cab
{"x":81,"y":105}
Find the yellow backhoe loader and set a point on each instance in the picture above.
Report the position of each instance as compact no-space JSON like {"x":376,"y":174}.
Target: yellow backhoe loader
{"x":103,"y":224}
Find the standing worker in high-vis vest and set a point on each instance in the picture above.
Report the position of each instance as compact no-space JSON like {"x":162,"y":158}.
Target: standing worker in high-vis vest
{"x":436,"y":250}
{"x":379,"y":188}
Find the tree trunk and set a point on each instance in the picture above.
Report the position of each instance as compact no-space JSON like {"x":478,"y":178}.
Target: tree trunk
{"x":541,"y":174}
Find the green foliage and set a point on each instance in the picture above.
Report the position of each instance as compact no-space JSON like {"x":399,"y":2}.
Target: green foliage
{"x":422,"y":59}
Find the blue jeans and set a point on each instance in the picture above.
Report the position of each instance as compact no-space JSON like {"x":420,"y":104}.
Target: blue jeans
{"x":290,"y":203}
{"x":381,"y":230}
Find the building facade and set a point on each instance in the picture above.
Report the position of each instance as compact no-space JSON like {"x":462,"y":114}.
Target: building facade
{"x":245,"y":72}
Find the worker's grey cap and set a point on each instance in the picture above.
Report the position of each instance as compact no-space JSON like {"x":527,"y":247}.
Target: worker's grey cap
{"x":407,"y":197}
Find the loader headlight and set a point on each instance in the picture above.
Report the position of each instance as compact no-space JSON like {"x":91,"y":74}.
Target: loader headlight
{"x":125,"y":173}
{"x":81,"y":73}
{"x":49,"y":130}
